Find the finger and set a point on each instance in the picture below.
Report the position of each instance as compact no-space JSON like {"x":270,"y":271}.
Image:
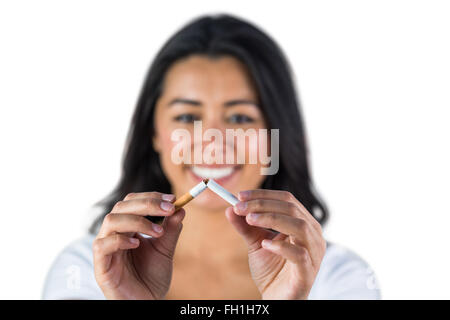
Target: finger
{"x":295,"y":227}
{"x":300,"y":231}
{"x":296,"y":254}
{"x":172,"y":229}
{"x":144,"y":207}
{"x":280,"y":195}
{"x":265,"y":194}
{"x":264,"y":205}
{"x":301,"y":260}
{"x":252,"y":235}
{"x":285,"y":224}
{"x":103,"y":248}
{"x":153,"y":194}
{"x":123,"y":223}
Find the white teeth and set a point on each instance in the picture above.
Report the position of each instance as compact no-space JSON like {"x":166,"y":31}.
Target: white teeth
{"x":212,"y":173}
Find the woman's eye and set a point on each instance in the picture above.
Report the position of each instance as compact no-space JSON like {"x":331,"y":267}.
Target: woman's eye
{"x":187,"y":118}
{"x":239,"y":118}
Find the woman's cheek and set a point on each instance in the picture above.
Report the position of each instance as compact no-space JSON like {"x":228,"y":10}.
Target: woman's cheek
{"x":258,"y":149}
{"x":170,"y":167}
{"x":252,"y":177}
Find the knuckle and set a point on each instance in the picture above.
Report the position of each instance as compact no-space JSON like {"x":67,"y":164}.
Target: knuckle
{"x":319,"y":226}
{"x":259,"y":203}
{"x":302,"y":225}
{"x":108,"y":218}
{"x":118,"y":205}
{"x":129,"y":196}
{"x":258,"y":193}
{"x":117,"y":241}
{"x":120,"y":238}
{"x":142,"y":224}
{"x":291,"y":208}
{"x":149,"y":203}
{"x":272,"y":218}
{"x":283,"y":245}
{"x":96,"y":246}
{"x":154,"y":194}
{"x":302,"y":254}
{"x":288,"y":196}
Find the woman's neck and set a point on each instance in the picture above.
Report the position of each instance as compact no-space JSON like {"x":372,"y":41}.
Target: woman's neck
{"x":211,"y":259}
{"x":208,"y":234}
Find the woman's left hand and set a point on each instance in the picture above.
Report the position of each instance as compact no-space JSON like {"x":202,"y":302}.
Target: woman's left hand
{"x":283,"y":265}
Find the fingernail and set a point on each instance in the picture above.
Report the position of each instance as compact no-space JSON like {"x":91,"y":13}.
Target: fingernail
{"x":133,"y":240}
{"x":243,"y":194}
{"x":168,"y":197}
{"x":241,"y":206}
{"x":167,"y":206}
{"x":266,"y":243}
{"x":253,"y":216}
{"x":157,"y":228}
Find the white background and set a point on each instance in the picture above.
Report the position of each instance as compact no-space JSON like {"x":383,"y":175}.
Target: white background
{"x":374,"y":79}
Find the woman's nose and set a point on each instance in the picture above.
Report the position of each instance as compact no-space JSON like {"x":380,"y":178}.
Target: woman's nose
{"x":213,"y":135}
{"x":214,"y":122}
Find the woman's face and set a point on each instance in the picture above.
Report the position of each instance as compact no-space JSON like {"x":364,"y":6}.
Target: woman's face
{"x":218,"y":92}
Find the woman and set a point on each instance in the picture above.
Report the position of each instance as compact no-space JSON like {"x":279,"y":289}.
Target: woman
{"x":227,"y":74}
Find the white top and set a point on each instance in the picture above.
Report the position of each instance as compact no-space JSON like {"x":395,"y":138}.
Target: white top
{"x":342,"y":275}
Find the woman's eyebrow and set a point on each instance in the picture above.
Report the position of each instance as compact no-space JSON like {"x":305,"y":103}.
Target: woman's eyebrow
{"x":232,"y":103}
{"x":197,"y":103}
{"x":185,"y":101}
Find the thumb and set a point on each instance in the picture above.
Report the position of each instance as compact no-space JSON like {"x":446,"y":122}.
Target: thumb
{"x":172,"y":228}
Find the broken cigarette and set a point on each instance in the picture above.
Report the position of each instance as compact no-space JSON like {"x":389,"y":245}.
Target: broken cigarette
{"x":188,"y":196}
{"x":222,"y":192}
{"x":183,"y":200}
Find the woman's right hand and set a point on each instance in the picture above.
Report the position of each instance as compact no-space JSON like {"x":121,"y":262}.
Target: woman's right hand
{"x":127,"y":265}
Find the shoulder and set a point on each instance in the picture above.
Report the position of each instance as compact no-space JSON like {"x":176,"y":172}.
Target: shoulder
{"x":344,"y":275}
{"x":71,"y":275}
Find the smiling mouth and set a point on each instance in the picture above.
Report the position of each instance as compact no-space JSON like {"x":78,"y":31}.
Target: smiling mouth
{"x":213,"y":172}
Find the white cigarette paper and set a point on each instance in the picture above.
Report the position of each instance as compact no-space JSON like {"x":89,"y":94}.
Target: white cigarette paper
{"x":199,"y":188}
{"x":222,"y":192}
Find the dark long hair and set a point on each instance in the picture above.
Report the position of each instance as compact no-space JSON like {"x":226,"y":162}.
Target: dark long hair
{"x":215,"y":36}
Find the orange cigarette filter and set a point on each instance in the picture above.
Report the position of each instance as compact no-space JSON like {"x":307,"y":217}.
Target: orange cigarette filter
{"x":188,"y":196}
{"x":183,"y":200}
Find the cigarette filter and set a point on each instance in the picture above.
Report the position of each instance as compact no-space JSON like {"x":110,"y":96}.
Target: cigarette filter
{"x":195,"y":191}
{"x":183,"y":200}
